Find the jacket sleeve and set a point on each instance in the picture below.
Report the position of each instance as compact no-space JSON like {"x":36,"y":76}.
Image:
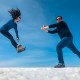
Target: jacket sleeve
{"x":53,"y":25}
{"x":16,"y":31}
{"x":53,"y":31}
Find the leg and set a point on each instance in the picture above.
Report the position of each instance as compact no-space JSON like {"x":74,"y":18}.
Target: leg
{"x":72,"y":47}
{"x":63,"y":43}
{"x":10,"y":37}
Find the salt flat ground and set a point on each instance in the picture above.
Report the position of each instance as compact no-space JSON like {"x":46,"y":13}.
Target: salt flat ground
{"x":39,"y":74}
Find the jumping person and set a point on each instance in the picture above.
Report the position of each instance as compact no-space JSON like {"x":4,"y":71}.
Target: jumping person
{"x":12,"y":24}
{"x":66,"y":39}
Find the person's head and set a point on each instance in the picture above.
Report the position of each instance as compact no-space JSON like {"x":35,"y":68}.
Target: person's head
{"x":16,"y":14}
{"x":59,"y":18}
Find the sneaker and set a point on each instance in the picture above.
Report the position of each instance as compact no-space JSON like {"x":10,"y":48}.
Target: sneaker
{"x":20,"y":48}
{"x":60,"y":65}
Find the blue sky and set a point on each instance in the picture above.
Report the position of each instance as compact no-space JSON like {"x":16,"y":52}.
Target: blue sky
{"x":40,"y":46}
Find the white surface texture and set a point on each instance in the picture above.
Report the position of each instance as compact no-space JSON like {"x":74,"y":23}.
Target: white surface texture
{"x":39,"y":74}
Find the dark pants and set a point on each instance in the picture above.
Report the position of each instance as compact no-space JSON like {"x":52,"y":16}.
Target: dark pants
{"x":66,"y":42}
{"x":10,"y":37}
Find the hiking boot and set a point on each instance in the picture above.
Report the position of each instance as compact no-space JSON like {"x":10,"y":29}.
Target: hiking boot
{"x":20,"y":48}
{"x":60,"y":65}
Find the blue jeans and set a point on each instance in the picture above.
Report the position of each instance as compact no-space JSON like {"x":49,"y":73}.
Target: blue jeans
{"x":66,"y":42}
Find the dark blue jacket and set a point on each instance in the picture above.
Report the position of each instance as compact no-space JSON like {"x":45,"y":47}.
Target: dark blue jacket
{"x":9,"y":25}
{"x":61,"y":28}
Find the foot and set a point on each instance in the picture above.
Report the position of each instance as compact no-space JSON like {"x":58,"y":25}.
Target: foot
{"x":60,"y":65}
{"x":20,"y":48}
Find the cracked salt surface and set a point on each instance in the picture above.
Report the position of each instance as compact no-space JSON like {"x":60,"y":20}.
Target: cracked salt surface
{"x":39,"y":74}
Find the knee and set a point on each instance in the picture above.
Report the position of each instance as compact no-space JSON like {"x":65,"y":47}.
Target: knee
{"x":59,"y":47}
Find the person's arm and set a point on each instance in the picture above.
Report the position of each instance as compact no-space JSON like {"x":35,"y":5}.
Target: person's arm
{"x":53,"y":31}
{"x":53,"y":25}
{"x":50,"y":26}
{"x":16,"y":31}
{"x":44,"y":27}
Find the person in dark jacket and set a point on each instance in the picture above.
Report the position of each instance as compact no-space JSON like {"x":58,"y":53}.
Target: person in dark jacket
{"x":12,"y":24}
{"x":66,"y":39}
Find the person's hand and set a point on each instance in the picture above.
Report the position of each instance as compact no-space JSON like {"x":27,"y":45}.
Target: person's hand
{"x":45,"y":30}
{"x":44,"y":27}
{"x":18,"y":39}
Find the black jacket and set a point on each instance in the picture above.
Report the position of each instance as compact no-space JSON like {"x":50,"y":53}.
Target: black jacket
{"x":61,"y":28}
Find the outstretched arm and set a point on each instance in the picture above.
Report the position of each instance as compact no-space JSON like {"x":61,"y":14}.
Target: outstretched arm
{"x":53,"y":25}
{"x":53,"y":31}
{"x":50,"y":26}
{"x":16,"y":31}
{"x":44,"y":27}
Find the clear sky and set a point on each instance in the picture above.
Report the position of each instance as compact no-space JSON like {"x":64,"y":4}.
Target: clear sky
{"x":40,"y":46}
